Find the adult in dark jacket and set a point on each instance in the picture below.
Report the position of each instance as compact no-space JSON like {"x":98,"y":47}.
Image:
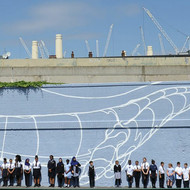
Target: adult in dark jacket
{"x":51,"y":171}
{"x":75,"y":171}
{"x":60,"y":172}
{"x":117,"y":173}
{"x":153,"y":174}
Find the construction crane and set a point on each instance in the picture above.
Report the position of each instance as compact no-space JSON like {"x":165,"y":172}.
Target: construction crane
{"x":25,"y":47}
{"x":161,"y":30}
{"x":108,"y":40}
{"x":45,"y":48}
{"x":143,"y":39}
{"x":87,"y":46}
{"x":135,"y":50}
{"x":161,"y":44}
{"x":40,"y":46}
{"x":186,"y":41}
{"x":97,"y":49}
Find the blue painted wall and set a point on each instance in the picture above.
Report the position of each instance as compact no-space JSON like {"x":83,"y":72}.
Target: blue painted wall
{"x":125,"y":108}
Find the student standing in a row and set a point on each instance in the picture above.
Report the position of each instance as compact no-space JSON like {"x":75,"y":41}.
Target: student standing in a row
{"x":161,"y":175}
{"x":75,"y":171}
{"x":36,"y":172}
{"x":27,"y":172}
{"x":145,"y":172}
{"x":137,"y":173}
{"x":68,"y":174}
{"x":129,"y":172}
{"x":51,"y":171}
{"x":153,"y":173}
{"x":11,"y":169}
{"x":60,"y":172}
{"x":91,"y":174}
{"x":186,"y":174}
{"x":179,"y":172}
{"x":117,"y":173}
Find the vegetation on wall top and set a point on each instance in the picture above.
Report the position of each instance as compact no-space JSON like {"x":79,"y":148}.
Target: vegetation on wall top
{"x":24,"y":84}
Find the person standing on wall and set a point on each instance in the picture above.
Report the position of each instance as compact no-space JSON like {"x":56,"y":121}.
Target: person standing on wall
{"x":75,"y":171}
{"x":178,"y":172}
{"x":5,"y":172}
{"x":186,"y":176}
{"x":145,"y":172}
{"x":91,"y":174}
{"x":170,"y":175}
{"x":68,"y":174}
{"x":27,"y":172}
{"x":51,"y":171}
{"x":60,"y":172}
{"x":11,"y":169}
{"x":18,"y":169}
{"x":161,"y":175}
{"x":153,"y":173}
{"x":137,"y":173}
{"x":117,"y":173}
{"x":129,"y":173}
{"x":36,"y":165}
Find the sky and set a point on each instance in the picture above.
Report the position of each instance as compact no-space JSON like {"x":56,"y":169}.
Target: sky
{"x":80,"y":20}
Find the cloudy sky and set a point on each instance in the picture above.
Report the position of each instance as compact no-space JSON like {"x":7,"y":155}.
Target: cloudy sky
{"x":80,"y":20}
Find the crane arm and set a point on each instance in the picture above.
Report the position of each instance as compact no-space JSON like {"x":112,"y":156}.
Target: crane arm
{"x":87,"y":46}
{"x":161,"y":44}
{"x":143,"y":40}
{"x":161,"y":30}
{"x":108,"y":40}
{"x":25,"y":47}
{"x":135,"y":50}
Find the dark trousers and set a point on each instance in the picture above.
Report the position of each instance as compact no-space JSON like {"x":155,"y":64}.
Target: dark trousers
{"x":60,"y":180}
{"x":92,"y":181}
{"x":186,"y":184}
{"x":145,"y":180}
{"x":75,"y":181}
{"x":11,"y":178}
{"x":130,"y":180}
{"x":161,"y":180}
{"x":153,"y":180}
{"x":137,"y":179}
{"x":178,"y":183}
{"x":27,"y":179}
{"x":117,"y":182}
{"x":5,"y":181}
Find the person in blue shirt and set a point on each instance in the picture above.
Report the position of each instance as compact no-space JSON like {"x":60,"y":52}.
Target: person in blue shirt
{"x":153,"y":173}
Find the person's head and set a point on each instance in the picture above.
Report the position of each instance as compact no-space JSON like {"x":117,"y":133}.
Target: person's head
{"x":129,"y":162}
{"x":74,"y":159}
{"x":60,"y":159}
{"x":136,"y":163}
{"x":144,"y":159}
{"x":4,"y":160}
{"x":91,"y":163}
{"x":178,"y":164}
{"x":18,"y":158}
{"x":169,"y":165}
{"x":162,"y":164}
{"x":51,"y":157}
{"x":10,"y":160}
{"x":185,"y":165}
{"x":27,"y":160}
{"x":116,"y":162}
{"x":36,"y":158}
{"x":153,"y":161}
{"x":67,"y":161}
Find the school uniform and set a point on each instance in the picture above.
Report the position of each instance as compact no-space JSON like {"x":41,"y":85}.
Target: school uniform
{"x":52,"y":166}
{"x":75,"y":172}
{"x":129,"y":173}
{"x":36,"y":169}
{"x":91,"y":174}
{"x":60,"y":173}
{"x":161,"y":176}
{"x":18,"y":171}
{"x":137,"y":175}
{"x":27,"y":168}
{"x":153,"y":174}
{"x":11,"y":168}
{"x":145,"y":178}
{"x":178,"y":178}
{"x":67,"y":168}
{"x":117,"y":173}
{"x":5,"y":174}
{"x":185,"y":177}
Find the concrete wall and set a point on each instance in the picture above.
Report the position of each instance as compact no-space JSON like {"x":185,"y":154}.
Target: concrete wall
{"x":141,"y":119}
{"x":97,"y":70}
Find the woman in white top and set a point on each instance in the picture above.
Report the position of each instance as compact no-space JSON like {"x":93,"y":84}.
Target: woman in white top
{"x":129,"y":172}
{"x":36,"y":172}
{"x":145,"y":172}
{"x":68,"y":174}
{"x":27,"y":172}
{"x":11,"y":169}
